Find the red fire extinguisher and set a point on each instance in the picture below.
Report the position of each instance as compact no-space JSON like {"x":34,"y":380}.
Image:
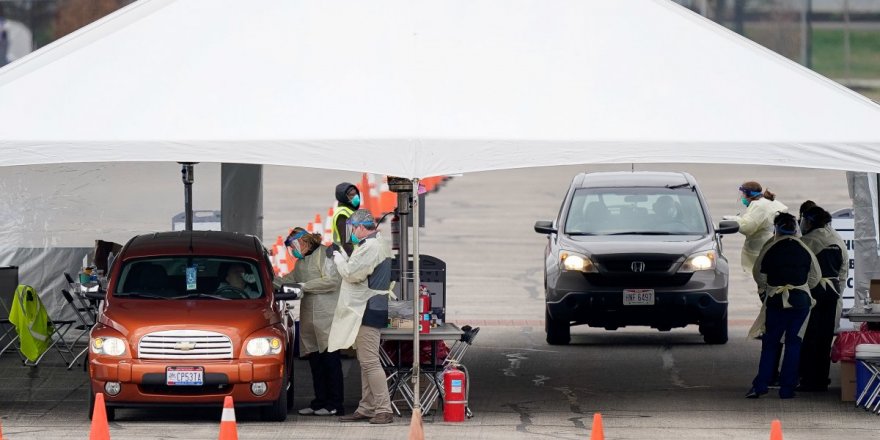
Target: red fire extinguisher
{"x":455,"y":394}
{"x":424,"y":299}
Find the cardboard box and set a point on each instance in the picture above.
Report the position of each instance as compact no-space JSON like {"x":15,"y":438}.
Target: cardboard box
{"x":847,"y":381}
{"x":874,"y":292}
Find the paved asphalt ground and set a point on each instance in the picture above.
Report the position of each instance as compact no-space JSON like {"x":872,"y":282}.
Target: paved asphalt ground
{"x":646,"y":384}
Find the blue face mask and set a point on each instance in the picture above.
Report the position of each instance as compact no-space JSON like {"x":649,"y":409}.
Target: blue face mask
{"x":298,"y":255}
{"x":356,"y":200}
{"x":744,"y":201}
{"x":355,"y":239}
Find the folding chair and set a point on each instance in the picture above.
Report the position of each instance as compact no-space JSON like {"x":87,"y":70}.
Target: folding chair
{"x":455,"y":356}
{"x":31,"y":310}
{"x":84,"y":323}
{"x":90,"y":305}
{"x":8,"y":283}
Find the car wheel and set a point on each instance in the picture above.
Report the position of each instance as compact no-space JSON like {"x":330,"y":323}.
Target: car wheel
{"x":558,"y":332}
{"x":290,"y":382}
{"x":715,"y":332}
{"x":277,"y":412}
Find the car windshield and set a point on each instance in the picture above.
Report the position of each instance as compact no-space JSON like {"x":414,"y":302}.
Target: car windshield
{"x":636,"y":211}
{"x":187,"y":277}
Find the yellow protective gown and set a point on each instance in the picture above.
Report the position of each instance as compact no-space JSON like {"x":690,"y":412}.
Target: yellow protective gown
{"x":757,"y":225}
{"x":354,"y":292}
{"x":320,"y":283}
{"x":31,"y":322}
{"x":819,"y":239}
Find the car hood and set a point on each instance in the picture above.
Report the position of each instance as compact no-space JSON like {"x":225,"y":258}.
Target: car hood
{"x":636,"y":244}
{"x":135,"y":318}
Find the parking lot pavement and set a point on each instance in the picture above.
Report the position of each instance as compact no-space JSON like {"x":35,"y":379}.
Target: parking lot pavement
{"x":647,"y":384}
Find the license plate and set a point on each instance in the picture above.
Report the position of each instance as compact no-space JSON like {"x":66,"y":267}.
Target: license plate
{"x":184,"y":376}
{"x":638,"y":297}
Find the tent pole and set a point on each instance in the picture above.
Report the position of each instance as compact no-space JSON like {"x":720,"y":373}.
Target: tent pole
{"x":417,"y":405}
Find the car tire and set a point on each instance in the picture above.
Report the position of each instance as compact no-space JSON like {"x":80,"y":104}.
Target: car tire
{"x":715,"y":332}
{"x":558,"y":332}
{"x":290,"y":380}
{"x":277,"y":412}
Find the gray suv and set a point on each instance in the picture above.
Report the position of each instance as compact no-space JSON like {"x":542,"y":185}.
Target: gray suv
{"x":635,"y":248}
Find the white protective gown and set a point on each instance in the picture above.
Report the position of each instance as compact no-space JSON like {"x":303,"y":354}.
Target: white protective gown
{"x":757,"y":225}
{"x":320,"y":283}
{"x":354,"y":293}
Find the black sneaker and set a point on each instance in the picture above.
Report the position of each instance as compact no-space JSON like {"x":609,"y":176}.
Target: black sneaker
{"x":754,"y":394}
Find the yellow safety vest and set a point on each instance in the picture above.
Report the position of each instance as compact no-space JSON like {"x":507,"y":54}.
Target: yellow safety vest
{"x":31,"y":322}
{"x":337,"y":235}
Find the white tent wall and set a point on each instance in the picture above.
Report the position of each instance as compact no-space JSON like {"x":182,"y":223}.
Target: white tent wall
{"x":52,"y":214}
{"x":863,"y":190}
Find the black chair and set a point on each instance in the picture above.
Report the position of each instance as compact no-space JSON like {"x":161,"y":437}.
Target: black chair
{"x":84,"y":323}
{"x":8,"y":334}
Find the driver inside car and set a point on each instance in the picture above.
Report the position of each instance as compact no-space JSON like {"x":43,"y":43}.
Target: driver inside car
{"x":665,"y":209}
{"x":234,"y":280}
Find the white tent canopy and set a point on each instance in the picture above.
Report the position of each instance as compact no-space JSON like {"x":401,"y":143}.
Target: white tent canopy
{"x":417,"y":88}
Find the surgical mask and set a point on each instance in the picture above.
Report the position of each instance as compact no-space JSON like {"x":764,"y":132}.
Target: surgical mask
{"x":354,"y":238}
{"x":744,"y":201}
{"x":297,"y":254}
{"x":249,"y":278}
{"x":356,"y":200}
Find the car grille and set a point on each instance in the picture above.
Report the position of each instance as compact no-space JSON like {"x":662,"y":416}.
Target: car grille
{"x":185,"y":344}
{"x":624,"y":263}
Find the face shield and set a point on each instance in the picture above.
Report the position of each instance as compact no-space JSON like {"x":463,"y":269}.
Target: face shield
{"x":350,"y":227}
{"x":293,"y":242}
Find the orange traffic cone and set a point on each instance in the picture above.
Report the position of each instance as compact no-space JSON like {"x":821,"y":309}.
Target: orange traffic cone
{"x":228,"y":429}
{"x":597,"y":433}
{"x":776,"y":430}
{"x":100,"y":430}
{"x":416,"y":432}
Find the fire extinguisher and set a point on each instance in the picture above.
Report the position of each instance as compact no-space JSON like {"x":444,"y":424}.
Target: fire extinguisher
{"x":424,"y":299}
{"x":455,"y":391}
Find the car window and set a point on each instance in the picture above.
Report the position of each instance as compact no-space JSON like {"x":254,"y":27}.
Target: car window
{"x":189,"y":277}
{"x":660,"y":211}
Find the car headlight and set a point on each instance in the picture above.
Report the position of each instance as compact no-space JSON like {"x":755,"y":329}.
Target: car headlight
{"x":108,"y":345}
{"x":263,"y":346}
{"x":699,"y":261}
{"x":575,"y":262}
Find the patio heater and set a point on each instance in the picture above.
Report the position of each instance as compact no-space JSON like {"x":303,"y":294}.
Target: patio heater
{"x":186,"y":174}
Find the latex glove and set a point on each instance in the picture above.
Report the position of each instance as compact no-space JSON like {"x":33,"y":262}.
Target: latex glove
{"x":295,"y":288}
{"x":338,"y":258}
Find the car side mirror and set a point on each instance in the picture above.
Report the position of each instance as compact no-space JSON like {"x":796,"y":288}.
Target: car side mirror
{"x":289,"y":292}
{"x":727,"y":227}
{"x":544,"y":227}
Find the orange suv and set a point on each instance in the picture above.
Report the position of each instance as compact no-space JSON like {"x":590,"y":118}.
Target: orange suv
{"x":189,"y":318}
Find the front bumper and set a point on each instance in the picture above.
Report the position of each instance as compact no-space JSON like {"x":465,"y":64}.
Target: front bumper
{"x":606,"y":309}
{"x":700,"y":298}
{"x":143,"y":382}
